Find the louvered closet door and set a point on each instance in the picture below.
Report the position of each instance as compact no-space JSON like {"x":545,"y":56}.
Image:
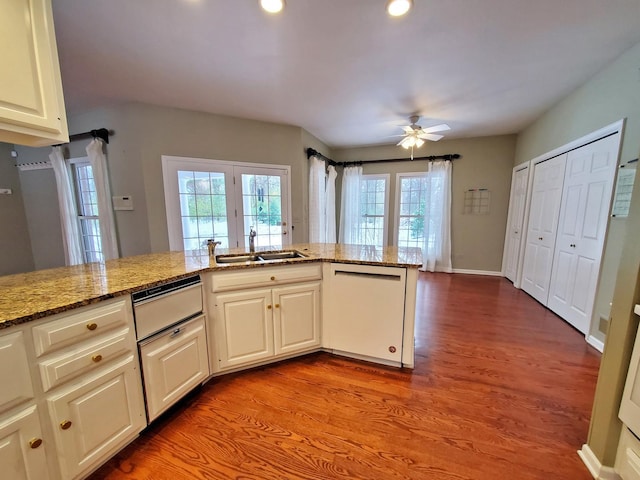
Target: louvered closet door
{"x":516,"y":221}
{"x":541,"y":230}
{"x":586,"y":199}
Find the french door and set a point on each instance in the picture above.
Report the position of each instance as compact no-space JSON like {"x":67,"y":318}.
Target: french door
{"x":223,"y":200}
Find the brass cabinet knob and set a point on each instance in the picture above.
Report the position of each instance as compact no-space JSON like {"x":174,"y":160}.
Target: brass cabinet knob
{"x":35,"y":442}
{"x":277,"y":305}
{"x":65,"y":425}
{"x":273,"y":278}
{"x":392,"y":349}
{"x":97,"y":358}
{"x":268,"y":307}
{"x":92,"y":326}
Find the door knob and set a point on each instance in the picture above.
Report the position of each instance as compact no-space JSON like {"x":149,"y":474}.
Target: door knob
{"x":539,"y":238}
{"x":573,"y":245}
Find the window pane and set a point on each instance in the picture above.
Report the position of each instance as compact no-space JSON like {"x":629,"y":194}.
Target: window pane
{"x":412,"y":206}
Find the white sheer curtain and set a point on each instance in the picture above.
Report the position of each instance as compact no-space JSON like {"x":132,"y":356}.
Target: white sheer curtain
{"x":68,"y":210}
{"x":331,"y":205}
{"x":105,"y":208}
{"x":317,"y":201}
{"x":436,"y":250}
{"x":350,"y":206}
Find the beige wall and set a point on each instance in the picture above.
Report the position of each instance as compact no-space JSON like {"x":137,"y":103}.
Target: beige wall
{"x":143,"y":133}
{"x":612,"y":94}
{"x":15,"y":243}
{"x":487,"y":162}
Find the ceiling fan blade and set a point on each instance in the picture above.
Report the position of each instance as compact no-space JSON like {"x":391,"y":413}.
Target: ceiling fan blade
{"x":408,"y":129}
{"x":399,"y":144}
{"x":430,"y":136}
{"x":443,"y":127}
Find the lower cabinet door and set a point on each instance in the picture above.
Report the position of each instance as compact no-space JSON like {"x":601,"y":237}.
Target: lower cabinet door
{"x":94,"y":418}
{"x":244,"y":327}
{"x":22,"y":450}
{"x":173,"y":363}
{"x":296,"y":317}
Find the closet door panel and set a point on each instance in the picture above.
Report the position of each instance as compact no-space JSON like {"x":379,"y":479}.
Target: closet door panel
{"x":542,"y":228}
{"x":584,"y":212}
{"x":515,"y":223}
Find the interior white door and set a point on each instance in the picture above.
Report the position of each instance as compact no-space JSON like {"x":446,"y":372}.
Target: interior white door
{"x":543,"y":223}
{"x":515,"y":221}
{"x":586,"y":200}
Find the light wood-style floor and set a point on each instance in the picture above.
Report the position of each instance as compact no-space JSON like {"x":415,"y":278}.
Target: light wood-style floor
{"x":502,"y":389}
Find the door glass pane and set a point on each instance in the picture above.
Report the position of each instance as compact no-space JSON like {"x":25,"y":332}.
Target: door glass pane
{"x":372,"y":209}
{"x":262,"y":206}
{"x":203,"y":208}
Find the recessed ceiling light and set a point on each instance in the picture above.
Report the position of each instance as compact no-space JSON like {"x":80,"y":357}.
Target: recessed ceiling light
{"x":397,"y":8}
{"x":272,"y":6}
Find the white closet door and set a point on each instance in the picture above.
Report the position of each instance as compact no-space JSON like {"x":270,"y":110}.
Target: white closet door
{"x":515,"y":221}
{"x":586,"y":199}
{"x":543,"y":223}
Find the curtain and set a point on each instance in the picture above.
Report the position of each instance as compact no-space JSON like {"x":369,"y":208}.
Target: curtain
{"x":350,"y":206}
{"x":105,"y":208}
{"x":331,"y":205}
{"x":68,"y":210}
{"x":436,"y":250}
{"x":317,"y":201}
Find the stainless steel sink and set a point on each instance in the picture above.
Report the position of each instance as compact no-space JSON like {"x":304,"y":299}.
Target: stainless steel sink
{"x":259,"y":257}
{"x":237,"y":258}
{"x":282,"y":255}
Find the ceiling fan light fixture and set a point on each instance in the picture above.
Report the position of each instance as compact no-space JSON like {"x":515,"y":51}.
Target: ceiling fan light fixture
{"x":419,"y":142}
{"x":397,"y":8}
{"x":272,"y":6}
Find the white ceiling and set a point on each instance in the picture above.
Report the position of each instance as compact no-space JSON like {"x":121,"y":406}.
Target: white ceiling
{"x":342,"y":69}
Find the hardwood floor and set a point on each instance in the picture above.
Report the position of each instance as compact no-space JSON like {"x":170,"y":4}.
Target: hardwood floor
{"x":502,"y":389}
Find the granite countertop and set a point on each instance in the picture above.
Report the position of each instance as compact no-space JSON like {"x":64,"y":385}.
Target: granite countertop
{"x":28,"y":296}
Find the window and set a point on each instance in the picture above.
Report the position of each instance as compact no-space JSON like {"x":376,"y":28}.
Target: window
{"x":412,"y":197}
{"x":374,"y":201}
{"x":87,"y":206}
{"x":223,"y":200}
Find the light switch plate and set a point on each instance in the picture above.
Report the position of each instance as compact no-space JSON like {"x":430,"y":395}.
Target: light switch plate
{"x":124,"y":202}
{"x":5,"y":191}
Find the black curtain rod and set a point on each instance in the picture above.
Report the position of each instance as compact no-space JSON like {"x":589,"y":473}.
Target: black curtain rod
{"x":311,"y":153}
{"x":102,"y":133}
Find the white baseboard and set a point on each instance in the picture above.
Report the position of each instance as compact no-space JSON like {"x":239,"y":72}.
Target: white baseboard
{"x":597,"y":470}
{"x":477,"y":272}
{"x":595,"y":343}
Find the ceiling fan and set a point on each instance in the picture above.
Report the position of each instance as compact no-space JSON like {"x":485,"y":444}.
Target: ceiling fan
{"x":414,"y":135}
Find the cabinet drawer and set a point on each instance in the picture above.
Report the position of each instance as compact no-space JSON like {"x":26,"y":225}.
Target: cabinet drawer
{"x":69,"y":365}
{"x":261,"y":277}
{"x":15,"y":378}
{"x":88,"y":322}
{"x":628,"y":456}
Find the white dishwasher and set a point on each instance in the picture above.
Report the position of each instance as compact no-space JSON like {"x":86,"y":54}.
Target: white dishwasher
{"x":365,"y":315}
{"x":172,"y":341}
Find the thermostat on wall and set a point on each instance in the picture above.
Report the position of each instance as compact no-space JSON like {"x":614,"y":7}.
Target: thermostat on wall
{"x":123,"y":203}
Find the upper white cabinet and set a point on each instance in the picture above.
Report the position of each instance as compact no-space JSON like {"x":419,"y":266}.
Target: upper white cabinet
{"x":31,"y":100}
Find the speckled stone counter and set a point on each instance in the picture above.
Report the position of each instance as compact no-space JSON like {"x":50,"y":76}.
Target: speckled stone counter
{"x":28,"y":296}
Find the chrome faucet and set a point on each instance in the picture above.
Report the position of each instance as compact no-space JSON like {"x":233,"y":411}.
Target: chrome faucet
{"x":252,"y":239}
{"x":211,"y":245}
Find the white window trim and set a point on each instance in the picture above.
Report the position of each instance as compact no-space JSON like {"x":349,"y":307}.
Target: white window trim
{"x":170,"y":166}
{"x":386,"y":177}
{"x":399,"y":177}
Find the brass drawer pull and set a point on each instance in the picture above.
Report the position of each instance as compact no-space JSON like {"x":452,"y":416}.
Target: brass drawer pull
{"x":92,"y":326}
{"x":65,"y":425}
{"x":97,"y":358}
{"x":35,"y":442}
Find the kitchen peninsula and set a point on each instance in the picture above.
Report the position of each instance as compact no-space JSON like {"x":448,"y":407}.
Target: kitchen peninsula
{"x":68,"y":337}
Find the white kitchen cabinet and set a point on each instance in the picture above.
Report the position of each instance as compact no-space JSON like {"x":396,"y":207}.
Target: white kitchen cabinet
{"x":365,"y":314}
{"x":15,"y":377}
{"x":31,"y":101}
{"x":296,"y":317}
{"x":255,"y":325}
{"x":94,"y":418}
{"x":174,"y":361}
{"x":22,"y":449}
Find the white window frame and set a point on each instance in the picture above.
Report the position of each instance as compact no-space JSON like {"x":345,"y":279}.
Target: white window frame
{"x":237,"y":235}
{"x":385,"y":228}
{"x":74,"y":163}
{"x":398,"y":199}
